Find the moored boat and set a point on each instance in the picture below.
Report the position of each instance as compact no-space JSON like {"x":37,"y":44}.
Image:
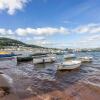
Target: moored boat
{"x":68,"y":56}
{"x":44,"y":59}
{"x":6,"y":55}
{"x":69,"y":65}
{"x":24,"y":58}
{"x":86,"y":59}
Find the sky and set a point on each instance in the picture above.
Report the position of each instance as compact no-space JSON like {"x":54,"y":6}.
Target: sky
{"x":52,"y":23}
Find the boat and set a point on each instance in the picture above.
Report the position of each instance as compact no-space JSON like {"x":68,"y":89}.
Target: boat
{"x":38,"y":60}
{"x":68,"y":56}
{"x":49,"y":59}
{"x":8,"y":58}
{"x":6,"y":55}
{"x":86,"y":59}
{"x":44,"y":59}
{"x":69,"y":65}
{"x":24,"y":58}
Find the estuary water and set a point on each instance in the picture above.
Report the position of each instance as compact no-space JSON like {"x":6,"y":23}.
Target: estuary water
{"x":44,"y":82}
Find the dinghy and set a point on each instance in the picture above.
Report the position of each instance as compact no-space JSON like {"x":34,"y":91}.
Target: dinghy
{"x":68,"y":56}
{"x":8,"y":58}
{"x":24,"y":58}
{"x":49,"y":58}
{"x":69,"y":65}
{"x":6,"y":55}
{"x":86,"y":59}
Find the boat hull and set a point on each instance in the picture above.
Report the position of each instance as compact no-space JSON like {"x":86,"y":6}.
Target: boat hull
{"x":85,"y":59}
{"x":38,"y":61}
{"x":69,"y":65}
{"x":69,"y":56}
{"x":43,"y":60}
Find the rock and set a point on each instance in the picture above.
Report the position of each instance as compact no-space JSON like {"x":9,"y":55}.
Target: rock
{"x":5,"y":81}
{"x":2,"y":92}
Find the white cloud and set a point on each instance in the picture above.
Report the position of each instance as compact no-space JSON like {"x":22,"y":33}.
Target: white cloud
{"x":87,"y":41}
{"x":12,"y":5}
{"x":90,"y":28}
{"x":41,"y":31}
{"x":6,"y":32}
{"x":40,"y":36}
{"x":2,"y":31}
{"x":21,"y":32}
{"x":46,"y":31}
{"x":41,"y":42}
{"x":10,"y":32}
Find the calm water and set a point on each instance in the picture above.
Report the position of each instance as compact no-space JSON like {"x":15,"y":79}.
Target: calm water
{"x":44,"y":77}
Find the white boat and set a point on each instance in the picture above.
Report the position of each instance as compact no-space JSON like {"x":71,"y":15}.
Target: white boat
{"x":67,"y":56}
{"x":37,"y":60}
{"x":44,"y":60}
{"x":69,"y":65}
{"x":49,"y":59}
{"x":86,"y":59}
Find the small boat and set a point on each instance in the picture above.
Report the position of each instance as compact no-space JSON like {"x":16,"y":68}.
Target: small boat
{"x":68,"y":56}
{"x":43,"y":60}
{"x":49,"y":59}
{"x":69,"y":65}
{"x":86,"y":59}
{"x":38,"y":60}
{"x":6,"y":55}
{"x":8,"y":58}
{"x":24,"y":58}
{"x":46,"y":59}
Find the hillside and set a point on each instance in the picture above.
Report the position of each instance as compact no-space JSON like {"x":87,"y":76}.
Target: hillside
{"x":11,"y":42}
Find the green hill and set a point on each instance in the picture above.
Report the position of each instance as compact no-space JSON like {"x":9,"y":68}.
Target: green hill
{"x":11,"y":42}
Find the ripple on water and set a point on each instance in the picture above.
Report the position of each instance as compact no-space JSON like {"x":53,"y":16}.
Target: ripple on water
{"x":7,"y":64}
{"x":38,"y":74}
{"x":93,"y":82}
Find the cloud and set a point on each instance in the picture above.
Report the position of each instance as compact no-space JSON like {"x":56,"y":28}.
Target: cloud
{"x":12,"y":5}
{"x":2,"y":31}
{"x":46,"y":31}
{"x":5,"y":31}
{"x":39,"y":38}
{"x":41,"y":31}
{"x":40,"y":42}
{"x":90,"y":35}
{"x":34,"y":33}
{"x":21,"y":32}
{"x":88,"y":41}
{"x":90,"y":28}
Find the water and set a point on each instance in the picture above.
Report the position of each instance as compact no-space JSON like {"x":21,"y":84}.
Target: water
{"x":44,"y":78}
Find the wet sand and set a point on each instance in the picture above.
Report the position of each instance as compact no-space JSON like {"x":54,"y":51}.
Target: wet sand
{"x":74,"y":92}
{"x":77,"y":91}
